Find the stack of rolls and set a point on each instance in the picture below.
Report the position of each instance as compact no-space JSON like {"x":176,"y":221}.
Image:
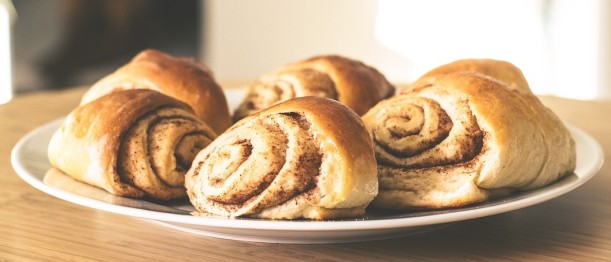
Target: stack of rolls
{"x":321,"y":138}
{"x":138,"y":129}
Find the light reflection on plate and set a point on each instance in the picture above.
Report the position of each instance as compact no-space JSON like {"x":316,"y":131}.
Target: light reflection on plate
{"x":29,"y":159}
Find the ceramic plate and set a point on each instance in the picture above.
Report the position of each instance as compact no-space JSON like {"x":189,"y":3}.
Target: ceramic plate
{"x":29,"y":159}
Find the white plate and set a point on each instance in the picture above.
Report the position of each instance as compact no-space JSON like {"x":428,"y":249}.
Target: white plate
{"x":29,"y":159}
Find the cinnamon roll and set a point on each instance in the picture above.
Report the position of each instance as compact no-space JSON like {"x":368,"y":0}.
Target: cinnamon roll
{"x":348,"y":81}
{"x":461,"y":138}
{"x":133,"y":143}
{"x":308,"y":157}
{"x":178,"y":77}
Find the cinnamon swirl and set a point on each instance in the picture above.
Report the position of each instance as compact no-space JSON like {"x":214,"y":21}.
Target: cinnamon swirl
{"x":460,"y":138}
{"x":133,"y":143}
{"x":348,"y":81}
{"x":308,"y":157}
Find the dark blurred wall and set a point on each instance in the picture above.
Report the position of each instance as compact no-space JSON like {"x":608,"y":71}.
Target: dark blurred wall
{"x":67,"y":43}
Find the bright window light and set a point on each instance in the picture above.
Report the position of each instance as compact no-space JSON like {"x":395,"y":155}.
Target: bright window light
{"x":536,"y":35}
{"x":573,"y":30}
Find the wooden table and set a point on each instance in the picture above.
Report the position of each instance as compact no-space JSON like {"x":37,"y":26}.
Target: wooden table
{"x":36,"y":227}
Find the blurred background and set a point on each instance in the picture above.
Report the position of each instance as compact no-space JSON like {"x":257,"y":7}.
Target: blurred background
{"x":563,"y":46}
{"x":65,"y":43}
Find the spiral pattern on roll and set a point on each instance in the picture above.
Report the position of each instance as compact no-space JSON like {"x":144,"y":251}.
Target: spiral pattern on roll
{"x":259,"y":164}
{"x":348,"y":81}
{"x":284,"y":85}
{"x":133,"y":143}
{"x":429,"y":148}
{"x":461,"y":138}
{"x":416,"y":132}
{"x":158,"y":149}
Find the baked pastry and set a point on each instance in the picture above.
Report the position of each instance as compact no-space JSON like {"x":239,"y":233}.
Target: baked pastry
{"x":502,"y":71}
{"x":308,"y":157}
{"x":460,"y":138}
{"x":178,"y":77}
{"x":133,"y":143}
{"x":350,"y":82}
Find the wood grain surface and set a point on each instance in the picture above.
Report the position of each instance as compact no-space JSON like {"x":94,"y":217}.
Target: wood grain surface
{"x":37,"y":227}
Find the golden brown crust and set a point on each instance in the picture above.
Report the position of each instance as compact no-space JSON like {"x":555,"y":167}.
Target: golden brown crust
{"x":498,"y":139}
{"x":351,"y":82}
{"x":502,"y":71}
{"x":132,"y":143}
{"x":181,"y":78}
{"x":307,"y":157}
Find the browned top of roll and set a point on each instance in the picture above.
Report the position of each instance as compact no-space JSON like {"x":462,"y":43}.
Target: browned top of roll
{"x":178,"y":77}
{"x":122,"y":109}
{"x":337,"y":121}
{"x":341,"y":125}
{"x":502,"y":71}
{"x":358,"y":85}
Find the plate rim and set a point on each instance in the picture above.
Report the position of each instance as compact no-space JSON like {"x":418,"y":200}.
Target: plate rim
{"x":594,"y":165}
